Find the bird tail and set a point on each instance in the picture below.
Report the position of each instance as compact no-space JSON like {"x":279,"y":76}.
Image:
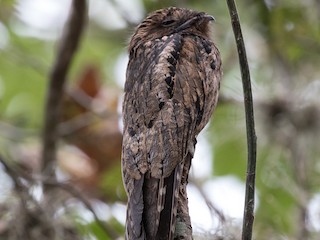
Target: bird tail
{"x":134,"y":225}
{"x":152,"y":207}
{"x":169,"y":194}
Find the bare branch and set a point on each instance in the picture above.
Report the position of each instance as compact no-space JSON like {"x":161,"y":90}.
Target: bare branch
{"x":213,"y":209}
{"x":13,"y":175}
{"x":77,"y":194}
{"x":26,"y":199}
{"x":248,"y":217}
{"x":17,"y":174}
{"x":68,"y":46}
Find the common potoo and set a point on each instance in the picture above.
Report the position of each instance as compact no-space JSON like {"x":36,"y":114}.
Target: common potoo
{"x":172,"y":82}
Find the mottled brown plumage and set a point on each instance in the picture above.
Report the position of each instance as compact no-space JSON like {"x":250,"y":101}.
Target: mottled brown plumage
{"x":171,"y":90}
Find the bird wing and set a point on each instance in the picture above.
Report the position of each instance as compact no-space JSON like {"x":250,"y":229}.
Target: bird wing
{"x":163,"y":108}
{"x":153,"y":126}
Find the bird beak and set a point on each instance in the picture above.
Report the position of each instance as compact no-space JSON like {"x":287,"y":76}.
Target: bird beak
{"x":206,"y":17}
{"x":209,"y":17}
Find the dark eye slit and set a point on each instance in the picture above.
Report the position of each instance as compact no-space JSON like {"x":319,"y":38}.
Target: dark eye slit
{"x":167,"y":22}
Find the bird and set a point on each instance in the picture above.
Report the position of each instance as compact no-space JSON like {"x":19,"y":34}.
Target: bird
{"x":171,"y":90}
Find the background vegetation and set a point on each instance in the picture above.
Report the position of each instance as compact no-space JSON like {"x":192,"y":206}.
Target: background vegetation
{"x":283,"y":44}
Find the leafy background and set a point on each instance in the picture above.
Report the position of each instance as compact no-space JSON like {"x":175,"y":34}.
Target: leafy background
{"x":283,"y":44}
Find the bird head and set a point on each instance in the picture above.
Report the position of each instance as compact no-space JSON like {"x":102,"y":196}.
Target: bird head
{"x":167,"y":21}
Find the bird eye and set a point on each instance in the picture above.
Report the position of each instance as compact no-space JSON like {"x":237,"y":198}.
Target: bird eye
{"x":167,"y":23}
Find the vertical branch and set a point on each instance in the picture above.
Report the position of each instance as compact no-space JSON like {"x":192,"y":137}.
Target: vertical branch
{"x":248,"y":217}
{"x":67,"y":48}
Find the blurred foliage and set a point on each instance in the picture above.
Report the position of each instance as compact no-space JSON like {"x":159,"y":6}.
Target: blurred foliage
{"x":283,"y":43}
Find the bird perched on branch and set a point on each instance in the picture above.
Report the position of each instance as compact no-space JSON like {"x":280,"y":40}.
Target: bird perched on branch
{"x":172,"y":82}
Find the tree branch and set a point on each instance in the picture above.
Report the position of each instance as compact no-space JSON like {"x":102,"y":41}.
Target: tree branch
{"x":248,"y":217}
{"x":213,"y":209}
{"x":26,"y":199}
{"x":67,"y":48}
{"x":26,"y":212}
{"x":78,"y":195}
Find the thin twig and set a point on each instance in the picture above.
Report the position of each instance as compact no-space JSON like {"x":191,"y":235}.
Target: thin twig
{"x":213,"y":209}
{"x":13,"y":175}
{"x":16,"y":173}
{"x":248,"y":217}
{"x":15,"y":133}
{"x":123,"y":13}
{"x":26,"y":199}
{"x":77,"y":194}
{"x":68,"y":45}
